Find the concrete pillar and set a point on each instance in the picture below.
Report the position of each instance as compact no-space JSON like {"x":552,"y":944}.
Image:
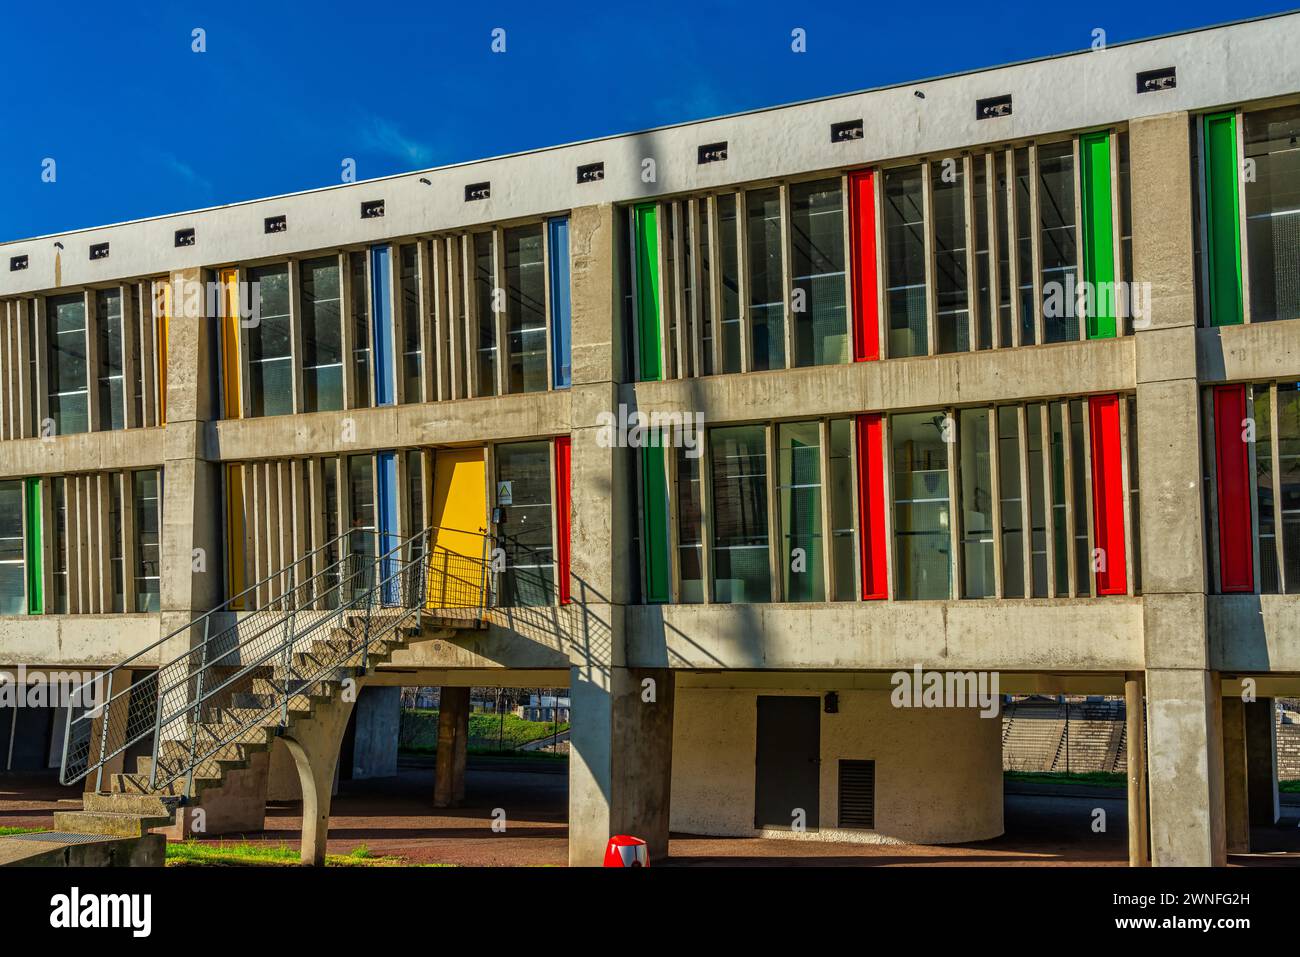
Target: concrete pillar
{"x":374,"y":744}
{"x":314,"y":744}
{"x":1261,"y":761}
{"x":1235,"y":803}
{"x":1139,"y":835}
{"x":620,"y":762}
{"x":453,"y":740}
{"x":1185,"y":757}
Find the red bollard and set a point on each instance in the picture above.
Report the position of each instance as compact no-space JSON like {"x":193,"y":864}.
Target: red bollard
{"x":626,"y":851}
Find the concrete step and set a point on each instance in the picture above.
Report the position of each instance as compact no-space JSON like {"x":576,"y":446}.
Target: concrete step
{"x":298,"y":703}
{"x":231,"y":751}
{"x":139,"y":784}
{"x":318,"y":690}
{"x":118,"y":824}
{"x":145,"y":805}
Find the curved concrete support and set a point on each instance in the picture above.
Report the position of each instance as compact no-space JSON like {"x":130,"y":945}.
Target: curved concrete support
{"x":314,"y":744}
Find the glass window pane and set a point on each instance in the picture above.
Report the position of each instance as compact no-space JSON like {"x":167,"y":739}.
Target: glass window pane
{"x":690,"y":542}
{"x":922,"y":543}
{"x":842,"y":489}
{"x":108,"y":314}
{"x":147,"y":540}
{"x":817,"y":266}
{"x":409,"y":278}
{"x":729,"y":243}
{"x":270,"y":369}
{"x":705,"y":290}
{"x":976,"y":504}
{"x":1060,"y":532}
{"x":1081,"y":482}
{"x":1273,"y":213}
{"x":799,"y":489}
{"x":905,"y":261}
{"x":1037,"y":506}
{"x":1060,"y":254}
{"x":485,"y":300}
{"x":1025,"y":247}
{"x":322,"y":334}
{"x":525,"y":310}
{"x":525,"y":529}
{"x":986,"y":302}
{"x":1265,"y":490}
{"x":13,"y":595}
{"x":1287,"y":424}
{"x":360,"y":301}
{"x":740,"y":541}
{"x":1013,"y":538}
{"x":66,"y":331}
{"x":766,"y":285}
{"x":948,"y":205}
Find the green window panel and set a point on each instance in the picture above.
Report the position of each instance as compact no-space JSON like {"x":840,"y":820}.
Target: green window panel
{"x":1222,"y":219}
{"x":1098,"y":234}
{"x":646,"y":249}
{"x":654,"y":513}
{"x":35,"y":566}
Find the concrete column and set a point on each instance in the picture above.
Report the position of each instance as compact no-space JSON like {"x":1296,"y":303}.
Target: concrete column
{"x":1235,"y":804}
{"x":1139,"y":824}
{"x":453,"y":739}
{"x":1185,"y":758}
{"x":314,"y":744}
{"x":1261,"y":761}
{"x":374,"y":745}
{"x":620,"y":763}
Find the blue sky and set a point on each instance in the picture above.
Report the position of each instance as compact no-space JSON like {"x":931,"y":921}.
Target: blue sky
{"x":139,"y":124}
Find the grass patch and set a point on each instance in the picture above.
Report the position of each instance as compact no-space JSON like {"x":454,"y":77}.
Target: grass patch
{"x":8,"y":831}
{"x":1290,"y":787}
{"x":1104,"y":779}
{"x":243,"y":854}
{"x":487,"y":732}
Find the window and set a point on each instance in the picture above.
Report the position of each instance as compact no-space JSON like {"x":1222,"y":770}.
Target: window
{"x":952,"y":306}
{"x":741,"y":569}
{"x":361,"y":337}
{"x":13,"y":593}
{"x":270,"y":362}
{"x":1009,"y":491}
{"x":485,"y":300}
{"x":526,"y":527}
{"x":525,"y":310}
{"x":59,"y":505}
{"x":821,"y":333}
{"x":979,"y":578}
{"x":905,"y":291}
{"x":923,"y":566}
{"x":799,"y":494}
{"x":148,"y":521}
{"x":729,"y":252}
{"x":1273,"y":213}
{"x":112,"y":400}
{"x":766,"y":287}
{"x":841,"y":491}
{"x":1059,"y":242}
{"x":66,"y":329}
{"x":690,"y":541}
{"x":116,"y":543}
{"x":1035,"y":421}
{"x":322,"y":335}
{"x":557,"y":232}
{"x":412,"y":321}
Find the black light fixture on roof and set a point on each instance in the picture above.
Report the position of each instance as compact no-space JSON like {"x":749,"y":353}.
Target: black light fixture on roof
{"x":425,"y":181}
{"x":832,"y":702}
{"x":918,"y":94}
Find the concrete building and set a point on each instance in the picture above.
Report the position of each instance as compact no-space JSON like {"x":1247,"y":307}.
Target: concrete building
{"x":912,"y":450}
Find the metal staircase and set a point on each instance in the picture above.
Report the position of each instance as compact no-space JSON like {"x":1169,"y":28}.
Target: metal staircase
{"x":256,"y":664}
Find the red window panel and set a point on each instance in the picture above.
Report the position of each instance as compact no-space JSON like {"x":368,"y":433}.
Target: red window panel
{"x":871,"y":506}
{"x":1107,"y":495}
{"x":1232,"y":487}
{"x":563,"y":511}
{"x":862,"y":256}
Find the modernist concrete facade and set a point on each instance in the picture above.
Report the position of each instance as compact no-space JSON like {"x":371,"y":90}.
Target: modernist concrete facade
{"x":1076,"y":528}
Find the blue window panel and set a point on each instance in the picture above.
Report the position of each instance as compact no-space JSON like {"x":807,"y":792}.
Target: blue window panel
{"x":561,"y":309}
{"x":386,"y":520}
{"x":382,"y":299}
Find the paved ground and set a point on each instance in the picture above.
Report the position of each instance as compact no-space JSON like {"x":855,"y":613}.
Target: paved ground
{"x":394,"y":816}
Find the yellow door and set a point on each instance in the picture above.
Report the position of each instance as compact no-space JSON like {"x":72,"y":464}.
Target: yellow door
{"x":459,"y":516}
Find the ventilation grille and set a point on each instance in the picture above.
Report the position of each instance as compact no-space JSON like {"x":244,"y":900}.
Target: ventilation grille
{"x":275,"y":224}
{"x":372,"y":209}
{"x":591,"y":173}
{"x":993,"y":107}
{"x":184,"y":237}
{"x":857,"y":794}
{"x":845,"y":132}
{"x":712,"y":153}
{"x":477,"y":191}
{"x":1152,"y":81}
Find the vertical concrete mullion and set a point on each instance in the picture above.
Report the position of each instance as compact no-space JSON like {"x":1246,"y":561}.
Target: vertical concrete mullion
{"x":974,"y":307}
{"x":697,"y":286}
{"x":824,"y":468}
{"x":347,"y":332}
{"x":500,"y":315}
{"x":454,"y":289}
{"x":241,"y":344}
{"x":104,"y":536}
{"x":931,"y":305}
{"x":256,"y":525}
{"x":882,"y":299}
{"x":1126,"y":484}
{"x":8,"y":369}
{"x":316,"y":485}
{"x":1210,"y":482}
{"x":1049,"y":511}
{"x":742,"y":282}
{"x":48,"y":543}
{"x":787,"y":276}
{"x":774,"y":561}
{"x":1036,"y":242}
{"x":438,"y":317}
{"x":429,"y":353}
{"x":1252,"y":488}
{"x":93,"y":411}
{"x":995,"y":483}
{"x":295,"y":336}
{"x":994,"y":303}
{"x":23,"y":374}
{"x":715,"y":283}
{"x":958,"y":560}
{"x":1275,"y":453}
{"x":1013,"y":246}
{"x":126,"y":487}
{"x":130,"y":357}
{"x":303,"y":539}
{"x":469,"y":260}
{"x":674,"y":527}
{"x":855,"y":515}
{"x":1091,"y":574}
{"x":1081,"y":315}
{"x":287,"y":521}
{"x":1242,"y":223}
{"x":77,"y":565}
{"x":397,"y":359}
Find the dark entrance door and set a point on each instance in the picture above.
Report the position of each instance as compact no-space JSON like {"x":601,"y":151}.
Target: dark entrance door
{"x":787,"y":760}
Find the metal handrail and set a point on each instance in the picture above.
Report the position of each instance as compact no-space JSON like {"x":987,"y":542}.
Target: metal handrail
{"x":395,"y":583}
